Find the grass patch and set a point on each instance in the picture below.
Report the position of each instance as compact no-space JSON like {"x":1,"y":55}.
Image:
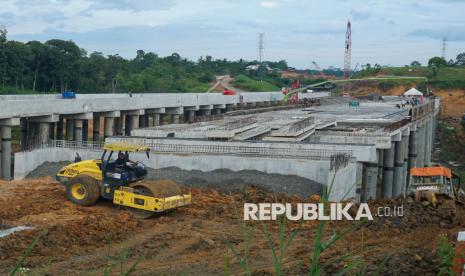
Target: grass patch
{"x":245,"y":83}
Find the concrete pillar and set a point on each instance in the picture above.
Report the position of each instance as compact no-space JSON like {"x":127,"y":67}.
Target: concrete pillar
{"x":24,"y":134}
{"x":44,"y":132}
{"x":398,"y":169}
{"x":69,"y":129}
{"x":420,"y":162}
{"x":370,"y":180}
{"x":78,"y":130}
{"x":60,"y":129}
{"x":191,"y":116}
{"x":429,"y":141}
{"x":120,"y":125}
{"x":413,"y":149}
{"x":51,"y":132}
{"x":388,"y":170}
{"x":6,"y":152}
{"x":156,"y":119}
{"x":405,"y":172}
{"x":96,"y":128}
{"x":144,"y":120}
{"x":217,"y":111}
{"x":85,"y":130}
{"x":379,"y":183}
{"x":229,"y":108}
{"x":109,"y":127}
{"x":132,"y":124}
{"x":174,"y":118}
{"x":207,"y":112}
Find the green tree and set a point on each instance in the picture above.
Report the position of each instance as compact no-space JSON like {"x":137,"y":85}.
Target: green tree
{"x":460,"y":59}
{"x":415,"y":63}
{"x":435,"y":63}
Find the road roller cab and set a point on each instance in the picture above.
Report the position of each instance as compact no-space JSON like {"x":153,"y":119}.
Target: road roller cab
{"x":114,"y":176}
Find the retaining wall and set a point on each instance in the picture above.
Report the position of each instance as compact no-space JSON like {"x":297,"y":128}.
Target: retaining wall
{"x":314,"y":170}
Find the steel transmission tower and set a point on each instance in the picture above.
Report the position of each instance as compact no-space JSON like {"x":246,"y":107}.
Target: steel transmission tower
{"x":444,"y":40}
{"x":348,"y":51}
{"x":260,"y":47}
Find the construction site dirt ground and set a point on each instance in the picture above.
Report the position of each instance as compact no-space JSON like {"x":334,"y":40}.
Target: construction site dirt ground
{"x":197,"y":240}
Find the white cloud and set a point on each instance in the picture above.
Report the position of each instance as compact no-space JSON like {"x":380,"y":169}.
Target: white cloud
{"x":268,"y":4}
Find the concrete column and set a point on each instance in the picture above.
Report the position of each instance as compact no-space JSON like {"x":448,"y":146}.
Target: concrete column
{"x":229,"y":108}
{"x":370,"y":180}
{"x":44,"y":132}
{"x":69,"y":129}
{"x":60,"y":129}
{"x":217,"y":111}
{"x":85,"y":130}
{"x":207,"y":112}
{"x":379,"y":182}
{"x":51,"y":133}
{"x":78,"y":130}
{"x":144,"y":120}
{"x":6,"y":152}
{"x":388,"y":170}
{"x":174,"y":118}
{"x":120,"y":125}
{"x":413,"y":149}
{"x":109,"y":127}
{"x":132,"y":124}
{"x":96,"y":128}
{"x":191,"y":116}
{"x":398,"y":169}
{"x":156,"y":119}
{"x":24,"y":133}
{"x":141,"y":121}
{"x":429,"y":142}
{"x":405,"y":172}
{"x":420,"y":162}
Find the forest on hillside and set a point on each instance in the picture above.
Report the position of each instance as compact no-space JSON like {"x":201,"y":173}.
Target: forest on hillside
{"x":60,"y":65}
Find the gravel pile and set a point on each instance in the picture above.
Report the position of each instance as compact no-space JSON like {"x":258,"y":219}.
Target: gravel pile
{"x":225,"y":180}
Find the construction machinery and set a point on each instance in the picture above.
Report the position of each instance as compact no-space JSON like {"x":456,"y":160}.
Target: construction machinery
{"x":437,"y":185}
{"x":120,"y":180}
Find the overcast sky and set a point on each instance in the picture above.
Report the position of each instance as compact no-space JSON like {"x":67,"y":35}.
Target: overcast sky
{"x":393,"y":32}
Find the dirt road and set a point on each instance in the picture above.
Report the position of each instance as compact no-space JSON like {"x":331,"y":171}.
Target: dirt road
{"x":195,"y":240}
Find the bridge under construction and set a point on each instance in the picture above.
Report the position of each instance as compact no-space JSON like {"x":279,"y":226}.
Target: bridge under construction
{"x":364,"y":151}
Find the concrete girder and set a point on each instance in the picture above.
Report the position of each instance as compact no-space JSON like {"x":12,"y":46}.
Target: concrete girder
{"x":155,"y":110}
{"x":206,"y":107}
{"x":111,"y":114}
{"x":81,"y":116}
{"x":175,"y":110}
{"x":397,"y":136}
{"x":192,"y":108}
{"x":15,"y":121}
{"x":222,"y":106}
{"x":134,"y":112}
{"x":52,"y":118}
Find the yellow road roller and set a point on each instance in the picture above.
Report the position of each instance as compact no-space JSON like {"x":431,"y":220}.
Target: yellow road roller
{"x":114,"y":176}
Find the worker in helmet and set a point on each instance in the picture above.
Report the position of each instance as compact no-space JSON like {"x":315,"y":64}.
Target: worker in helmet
{"x":121,"y":161}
